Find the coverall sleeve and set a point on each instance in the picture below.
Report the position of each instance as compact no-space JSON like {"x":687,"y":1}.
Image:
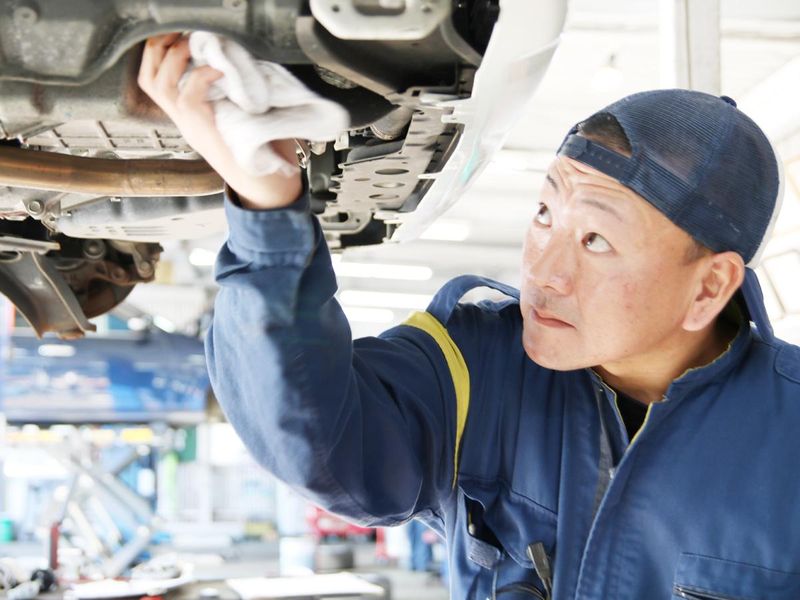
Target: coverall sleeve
{"x":366,"y":428}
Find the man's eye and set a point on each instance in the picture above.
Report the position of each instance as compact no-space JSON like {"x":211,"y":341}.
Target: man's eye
{"x":594,"y":242}
{"x":543,"y":216}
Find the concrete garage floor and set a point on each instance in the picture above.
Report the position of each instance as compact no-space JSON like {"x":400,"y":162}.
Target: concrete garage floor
{"x":407,"y":585}
{"x":261,"y":559}
{"x":258,"y":559}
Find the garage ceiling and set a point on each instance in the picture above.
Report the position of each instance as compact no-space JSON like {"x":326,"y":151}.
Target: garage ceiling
{"x":602,"y":57}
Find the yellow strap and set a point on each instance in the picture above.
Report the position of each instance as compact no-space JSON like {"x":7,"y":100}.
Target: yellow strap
{"x":458,"y":371}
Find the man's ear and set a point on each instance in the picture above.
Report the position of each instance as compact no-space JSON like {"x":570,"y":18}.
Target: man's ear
{"x":719,"y":276}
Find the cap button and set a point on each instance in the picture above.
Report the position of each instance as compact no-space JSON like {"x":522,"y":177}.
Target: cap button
{"x":728,"y":99}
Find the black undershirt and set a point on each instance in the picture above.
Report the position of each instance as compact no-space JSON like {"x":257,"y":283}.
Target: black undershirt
{"x":632,"y":412}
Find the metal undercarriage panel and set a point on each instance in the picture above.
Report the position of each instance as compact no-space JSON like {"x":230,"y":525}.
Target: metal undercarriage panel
{"x":68,"y":85}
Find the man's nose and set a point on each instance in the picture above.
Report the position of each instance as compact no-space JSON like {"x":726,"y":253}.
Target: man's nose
{"x":552,"y":267}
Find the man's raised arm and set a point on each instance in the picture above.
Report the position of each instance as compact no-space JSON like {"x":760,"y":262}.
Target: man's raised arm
{"x":365,"y":428}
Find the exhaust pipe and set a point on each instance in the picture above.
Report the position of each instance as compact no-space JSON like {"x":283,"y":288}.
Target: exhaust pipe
{"x":391,"y":126}
{"x":107,"y":177}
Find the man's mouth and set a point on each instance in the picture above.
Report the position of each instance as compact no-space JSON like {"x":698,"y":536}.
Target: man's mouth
{"x":548,"y":320}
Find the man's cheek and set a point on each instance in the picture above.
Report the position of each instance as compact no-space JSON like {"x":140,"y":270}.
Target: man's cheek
{"x":615,"y":300}
{"x":630,"y":295}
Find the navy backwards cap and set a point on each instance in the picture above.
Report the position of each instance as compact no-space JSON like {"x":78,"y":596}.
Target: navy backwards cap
{"x":705,"y":165}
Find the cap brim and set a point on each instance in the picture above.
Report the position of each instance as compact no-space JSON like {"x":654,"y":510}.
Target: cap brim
{"x":754,"y":303}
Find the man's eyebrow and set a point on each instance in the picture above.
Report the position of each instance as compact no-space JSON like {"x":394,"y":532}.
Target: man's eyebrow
{"x":590,"y":201}
{"x":604,"y":207}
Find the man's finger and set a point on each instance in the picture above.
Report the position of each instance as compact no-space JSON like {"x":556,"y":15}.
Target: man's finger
{"x":195,"y":89}
{"x":172,"y":69}
{"x":154,"y":50}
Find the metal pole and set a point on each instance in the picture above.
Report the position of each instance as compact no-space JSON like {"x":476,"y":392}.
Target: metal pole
{"x":690,"y":44}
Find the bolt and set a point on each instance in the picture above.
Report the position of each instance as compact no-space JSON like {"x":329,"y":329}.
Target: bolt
{"x":318,"y":148}
{"x":145,"y":269}
{"x":26,"y":15}
{"x":35,"y":207}
{"x":94,"y":249}
{"x":234,"y":4}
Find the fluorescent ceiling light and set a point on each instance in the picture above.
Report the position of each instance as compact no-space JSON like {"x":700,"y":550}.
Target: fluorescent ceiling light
{"x":381,"y":271}
{"x":137,"y":324}
{"x":200,"y":257}
{"x":447,"y":231}
{"x":384,"y":299}
{"x":164,"y":324}
{"x":359,"y":314}
{"x":56,"y":351}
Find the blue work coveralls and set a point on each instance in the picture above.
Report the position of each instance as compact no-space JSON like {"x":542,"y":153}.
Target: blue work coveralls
{"x":446,"y":419}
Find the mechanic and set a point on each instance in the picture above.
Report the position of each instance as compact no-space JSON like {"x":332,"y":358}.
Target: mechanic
{"x":615,"y":430}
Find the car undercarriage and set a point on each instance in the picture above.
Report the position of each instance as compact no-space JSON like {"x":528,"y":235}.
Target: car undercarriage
{"x":93,"y":175}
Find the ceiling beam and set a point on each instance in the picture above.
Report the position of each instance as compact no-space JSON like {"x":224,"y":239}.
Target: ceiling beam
{"x":690,"y":51}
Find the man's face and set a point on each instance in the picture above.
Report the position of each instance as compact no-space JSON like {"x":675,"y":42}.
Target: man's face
{"x":605,"y":278}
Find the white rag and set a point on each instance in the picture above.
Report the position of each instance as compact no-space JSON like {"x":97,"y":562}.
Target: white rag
{"x":256,"y":102}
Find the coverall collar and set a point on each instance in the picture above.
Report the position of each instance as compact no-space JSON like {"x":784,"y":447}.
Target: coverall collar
{"x":716,"y":370}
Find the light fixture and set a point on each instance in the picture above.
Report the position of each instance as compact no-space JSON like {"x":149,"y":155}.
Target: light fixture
{"x":384,"y":299}
{"x":447,"y":231}
{"x":381,"y":271}
{"x":200,"y":257}
{"x":56,"y":351}
{"x":359,"y":314}
{"x":137,"y":324}
{"x":164,"y":324}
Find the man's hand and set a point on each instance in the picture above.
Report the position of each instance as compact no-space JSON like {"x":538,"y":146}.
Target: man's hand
{"x":164,"y":63}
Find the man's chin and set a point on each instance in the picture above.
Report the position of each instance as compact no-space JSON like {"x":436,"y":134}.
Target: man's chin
{"x":552,"y":356}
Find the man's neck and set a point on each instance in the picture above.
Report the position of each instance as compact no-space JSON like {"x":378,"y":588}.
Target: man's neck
{"x":647,"y":377}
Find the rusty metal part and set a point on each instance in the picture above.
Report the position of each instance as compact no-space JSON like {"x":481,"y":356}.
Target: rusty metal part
{"x":39,"y":292}
{"x":337,"y":57}
{"x":392,"y":125}
{"x":145,"y":256}
{"x":100,"y":285}
{"x":107,"y":177}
